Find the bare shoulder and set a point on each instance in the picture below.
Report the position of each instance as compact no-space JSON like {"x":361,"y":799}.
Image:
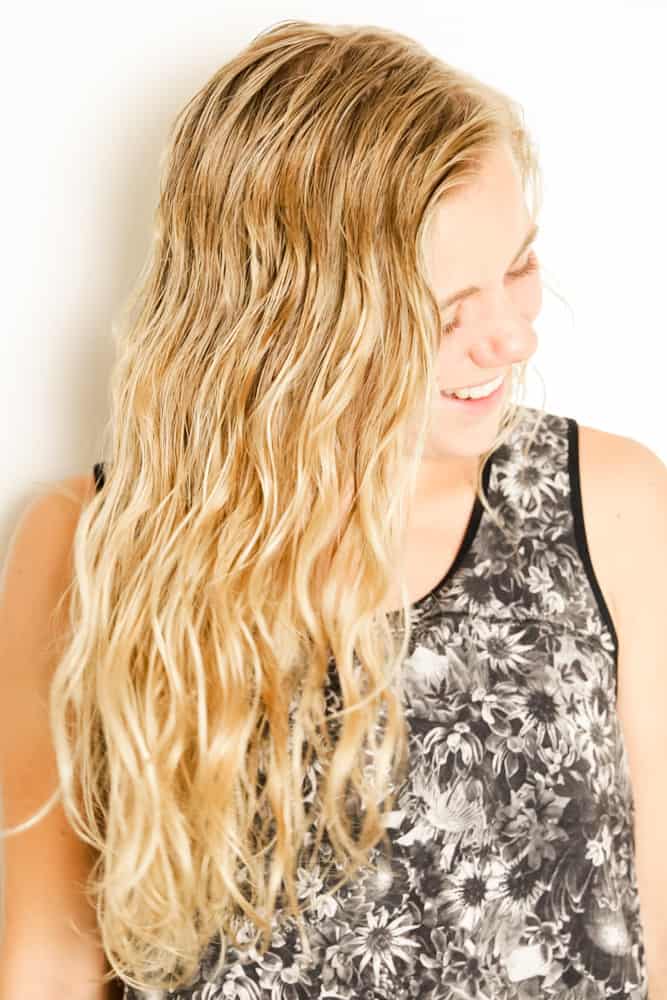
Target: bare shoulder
{"x":623,"y":460}
{"x":628,"y":482}
{"x":614,"y":462}
{"x":61,"y":497}
{"x":624,"y":490}
{"x":45,"y":527}
{"x":34,"y":588}
{"x":46,"y":865}
{"x":36,"y":575}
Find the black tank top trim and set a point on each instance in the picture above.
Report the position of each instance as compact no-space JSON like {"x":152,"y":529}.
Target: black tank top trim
{"x":580,"y":530}
{"x":468,"y":538}
{"x":98,"y":472}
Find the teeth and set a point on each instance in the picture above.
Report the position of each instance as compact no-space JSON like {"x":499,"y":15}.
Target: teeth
{"x":478,"y":391}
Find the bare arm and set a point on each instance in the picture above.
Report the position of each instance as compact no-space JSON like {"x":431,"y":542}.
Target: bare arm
{"x":641,"y":545}
{"x":45,"y":867}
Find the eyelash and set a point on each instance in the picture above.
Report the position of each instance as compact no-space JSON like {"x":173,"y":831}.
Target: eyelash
{"x":531,"y":265}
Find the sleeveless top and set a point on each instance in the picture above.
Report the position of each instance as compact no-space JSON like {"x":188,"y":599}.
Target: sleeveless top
{"x":512,"y":870}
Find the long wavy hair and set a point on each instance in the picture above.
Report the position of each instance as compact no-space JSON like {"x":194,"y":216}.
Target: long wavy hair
{"x":273,"y":360}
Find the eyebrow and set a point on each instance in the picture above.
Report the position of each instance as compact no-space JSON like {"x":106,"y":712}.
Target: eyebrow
{"x":473,"y":289}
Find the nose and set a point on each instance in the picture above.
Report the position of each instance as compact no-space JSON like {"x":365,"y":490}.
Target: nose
{"x":502,"y":345}
{"x":504,"y":334}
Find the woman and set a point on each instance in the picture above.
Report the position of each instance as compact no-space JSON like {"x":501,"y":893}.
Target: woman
{"x":340,"y":708}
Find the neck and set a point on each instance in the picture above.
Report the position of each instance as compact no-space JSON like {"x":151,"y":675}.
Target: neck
{"x":440,"y":480}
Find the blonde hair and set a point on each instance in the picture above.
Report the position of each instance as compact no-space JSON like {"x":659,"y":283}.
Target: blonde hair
{"x":280,"y":340}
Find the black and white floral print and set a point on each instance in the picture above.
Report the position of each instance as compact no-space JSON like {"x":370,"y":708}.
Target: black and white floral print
{"x":512,"y":873}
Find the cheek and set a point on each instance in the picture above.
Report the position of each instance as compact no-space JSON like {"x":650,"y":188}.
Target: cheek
{"x":530,"y":297}
{"x":444,"y":351}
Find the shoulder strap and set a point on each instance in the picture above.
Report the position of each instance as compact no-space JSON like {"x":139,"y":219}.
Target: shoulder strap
{"x":580,"y":535}
{"x":98,"y":472}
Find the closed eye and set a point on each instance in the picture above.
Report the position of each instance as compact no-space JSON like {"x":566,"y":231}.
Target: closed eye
{"x":530,"y":266}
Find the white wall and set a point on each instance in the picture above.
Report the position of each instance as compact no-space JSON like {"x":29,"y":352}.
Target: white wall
{"x":89,"y":93}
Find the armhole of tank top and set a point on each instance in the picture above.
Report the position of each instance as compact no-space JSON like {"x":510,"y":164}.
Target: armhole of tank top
{"x":581,"y":539}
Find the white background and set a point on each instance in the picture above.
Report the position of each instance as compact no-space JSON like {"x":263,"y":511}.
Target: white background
{"x":89,"y":92}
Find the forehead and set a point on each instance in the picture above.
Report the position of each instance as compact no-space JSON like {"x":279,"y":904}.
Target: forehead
{"x":476,"y":230}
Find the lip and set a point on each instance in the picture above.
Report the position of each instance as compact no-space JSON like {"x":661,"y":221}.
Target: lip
{"x":477,"y":406}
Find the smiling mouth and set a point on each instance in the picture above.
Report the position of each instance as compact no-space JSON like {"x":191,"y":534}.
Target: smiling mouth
{"x":475,"y":385}
{"x":494,"y":387}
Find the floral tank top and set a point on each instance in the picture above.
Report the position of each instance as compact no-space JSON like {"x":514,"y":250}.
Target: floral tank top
{"x":512,"y":870}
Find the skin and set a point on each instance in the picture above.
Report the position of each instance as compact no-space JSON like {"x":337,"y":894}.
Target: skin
{"x":476,"y":234}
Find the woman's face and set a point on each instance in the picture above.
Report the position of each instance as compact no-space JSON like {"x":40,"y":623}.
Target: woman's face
{"x":476,"y":234}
